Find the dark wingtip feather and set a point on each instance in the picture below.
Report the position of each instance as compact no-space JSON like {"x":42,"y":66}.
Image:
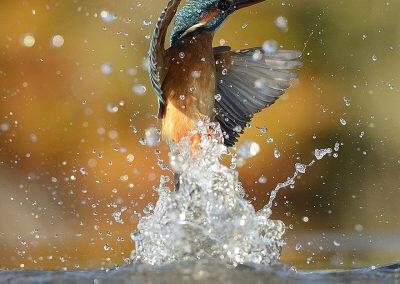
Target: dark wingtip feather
{"x":241,"y":97}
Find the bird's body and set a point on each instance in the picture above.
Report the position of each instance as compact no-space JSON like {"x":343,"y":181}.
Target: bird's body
{"x":193,"y":80}
{"x":193,"y":66}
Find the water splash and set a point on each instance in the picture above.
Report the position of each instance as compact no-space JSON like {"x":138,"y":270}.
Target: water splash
{"x":208,"y":217}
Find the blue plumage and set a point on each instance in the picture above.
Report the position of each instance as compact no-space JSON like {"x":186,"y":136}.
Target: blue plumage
{"x":192,"y":13}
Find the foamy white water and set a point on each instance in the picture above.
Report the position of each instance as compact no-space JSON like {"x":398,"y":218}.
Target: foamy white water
{"x":208,"y":217}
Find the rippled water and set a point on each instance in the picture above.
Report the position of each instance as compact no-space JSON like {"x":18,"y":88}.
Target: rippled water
{"x":206,"y":271}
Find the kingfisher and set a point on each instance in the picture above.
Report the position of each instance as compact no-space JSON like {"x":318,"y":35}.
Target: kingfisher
{"x":194,"y":80}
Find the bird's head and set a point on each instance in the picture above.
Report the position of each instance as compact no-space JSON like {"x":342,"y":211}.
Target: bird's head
{"x":197,"y":16}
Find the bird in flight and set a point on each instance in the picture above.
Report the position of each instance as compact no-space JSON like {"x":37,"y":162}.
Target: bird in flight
{"x":194,"y":80}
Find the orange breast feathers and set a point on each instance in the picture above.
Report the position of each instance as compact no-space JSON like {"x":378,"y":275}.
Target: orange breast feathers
{"x":176,"y":123}
{"x":189,"y":88}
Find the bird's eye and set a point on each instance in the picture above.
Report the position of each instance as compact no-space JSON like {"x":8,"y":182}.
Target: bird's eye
{"x":224,"y":5}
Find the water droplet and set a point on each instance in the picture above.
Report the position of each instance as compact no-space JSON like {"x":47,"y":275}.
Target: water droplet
{"x":112,"y":134}
{"x":139,"y":89}
{"x":336,"y":148}
{"x":196,"y":74}
{"x":34,"y":138}
{"x":106,"y":68}
{"x":107,"y":16}
{"x":4,"y":127}
{"x":112,"y":108}
{"x":263,"y":130}
{"x":343,"y":121}
{"x":374,"y":57}
{"x":130,"y":158}
{"x":301,"y":168}
{"x":282,"y":23}
{"x":106,"y":247}
{"x":132,"y":71}
{"x":146,"y":22}
{"x":277,"y":154}
{"x":260,"y":83}
{"x":257,"y":55}
{"x":305,"y":219}
{"x":117,"y":217}
{"x":152,"y":136}
{"x":321,"y":153}
{"x":270,"y":46}
{"x":262,"y":179}
{"x":298,"y":247}
{"x":57,"y":41}
{"x":359,"y":228}
{"x":181,"y":55}
{"x":28,"y":40}
{"x":248,"y":149}
{"x":336,"y":243}
{"x":346,"y":101}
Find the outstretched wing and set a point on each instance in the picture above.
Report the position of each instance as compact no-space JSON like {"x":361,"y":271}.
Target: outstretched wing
{"x":247,"y":82}
{"x":157,"y":51}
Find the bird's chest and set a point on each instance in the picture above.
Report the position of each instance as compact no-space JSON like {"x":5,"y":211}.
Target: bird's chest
{"x":190,"y":82}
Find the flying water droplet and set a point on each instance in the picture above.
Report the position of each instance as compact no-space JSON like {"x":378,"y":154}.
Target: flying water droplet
{"x":282,"y":23}
{"x":57,"y":41}
{"x":152,"y":136}
{"x":301,"y":168}
{"x":248,"y":149}
{"x":83,"y":171}
{"x":34,"y":138}
{"x":112,"y":108}
{"x":196,"y":74}
{"x":346,"y":101}
{"x":139,"y":89}
{"x":107,"y":16}
{"x":321,"y":153}
{"x":257,"y":55}
{"x":106,"y":68}
{"x":4,"y":127}
{"x":262,"y":180}
{"x":28,"y":40}
{"x":270,"y":46}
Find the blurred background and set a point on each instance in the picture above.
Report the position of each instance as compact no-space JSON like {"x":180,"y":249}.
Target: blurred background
{"x":75,"y":102}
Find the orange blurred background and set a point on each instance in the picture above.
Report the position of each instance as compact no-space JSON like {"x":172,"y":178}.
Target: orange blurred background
{"x":75,"y":102}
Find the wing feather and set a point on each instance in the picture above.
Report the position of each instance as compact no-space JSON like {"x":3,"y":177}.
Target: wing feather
{"x":157,"y":54}
{"x":246,"y":84}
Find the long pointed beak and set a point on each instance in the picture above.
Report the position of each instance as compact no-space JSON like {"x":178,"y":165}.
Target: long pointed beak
{"x":239,"y":4}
